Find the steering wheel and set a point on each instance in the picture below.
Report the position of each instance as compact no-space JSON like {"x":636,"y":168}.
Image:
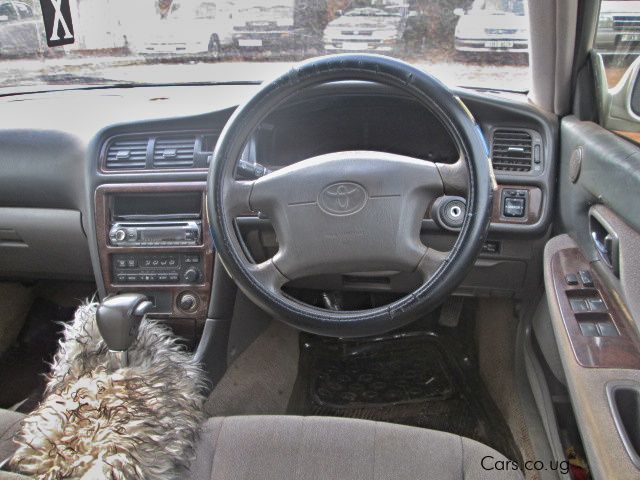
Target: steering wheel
{"x":353,"y":211}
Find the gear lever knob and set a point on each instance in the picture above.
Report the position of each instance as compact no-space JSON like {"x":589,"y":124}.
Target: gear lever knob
{"x":118,"y":319}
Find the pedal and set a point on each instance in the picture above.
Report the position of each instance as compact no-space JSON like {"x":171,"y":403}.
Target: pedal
{"x":451,"y":311}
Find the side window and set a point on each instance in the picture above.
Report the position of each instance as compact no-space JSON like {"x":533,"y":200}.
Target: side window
{"x":616,"y":47}
{"x":618,"y":37}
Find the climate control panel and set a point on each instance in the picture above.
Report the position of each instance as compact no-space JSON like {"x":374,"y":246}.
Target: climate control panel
{"x":157,"y":268}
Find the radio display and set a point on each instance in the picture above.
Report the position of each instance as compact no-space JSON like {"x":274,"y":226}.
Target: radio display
{"x":163,"y":234}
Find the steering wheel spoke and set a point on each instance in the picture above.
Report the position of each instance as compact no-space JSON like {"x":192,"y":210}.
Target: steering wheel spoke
{"x":268,"y":275}
{"x":455,"y":177}
{"x":430,"y":262}
{"x":237,"y":197}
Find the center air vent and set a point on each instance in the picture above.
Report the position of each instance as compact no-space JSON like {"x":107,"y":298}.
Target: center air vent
{"x":127,"y":153}
{"x":174,"y":152}
{"x":512,"y":150}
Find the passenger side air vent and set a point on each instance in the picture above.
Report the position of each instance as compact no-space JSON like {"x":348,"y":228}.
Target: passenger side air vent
{"x":127,"y":153}
{"x":512,"y":150}
{"x":174,"y":152}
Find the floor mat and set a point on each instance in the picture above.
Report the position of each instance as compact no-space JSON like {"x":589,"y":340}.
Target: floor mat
{"x":411,"y":379}
{"x":22,"y":366}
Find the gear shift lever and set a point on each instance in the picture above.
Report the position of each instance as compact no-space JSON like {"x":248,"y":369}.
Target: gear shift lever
{"x":118,"y":319}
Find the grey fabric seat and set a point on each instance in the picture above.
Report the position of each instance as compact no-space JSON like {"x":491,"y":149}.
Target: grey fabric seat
{"x":287,"y":447}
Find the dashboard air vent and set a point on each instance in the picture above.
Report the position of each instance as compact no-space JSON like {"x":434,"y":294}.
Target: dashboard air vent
{"x":511,"y":150}
{"x":174,"y":152}
{"x":127,"y":153}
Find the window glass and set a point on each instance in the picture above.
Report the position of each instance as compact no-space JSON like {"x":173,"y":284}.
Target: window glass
{"x":472,"y":43}
{"x":618,"y":36}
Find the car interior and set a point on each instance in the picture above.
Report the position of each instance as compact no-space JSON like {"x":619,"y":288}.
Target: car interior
{"x":356,"y":268}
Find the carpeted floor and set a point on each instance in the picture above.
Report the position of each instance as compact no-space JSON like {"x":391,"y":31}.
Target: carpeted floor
{"x":29,"y":332}
{"x":261,"y":379}
{"x":496,"y":327}
{"x":22,"y":365}
{"x":15,"y":302}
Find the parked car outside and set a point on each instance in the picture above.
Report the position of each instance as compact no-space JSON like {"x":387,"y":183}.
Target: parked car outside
{"x":618,"y":27}
{"x":493,"y":26}
{"x":503,"y":25}
{"x":21,"y":30}
{"x":190,"y":28}
{"x":377,"y":29}
{"x":262,"y":26}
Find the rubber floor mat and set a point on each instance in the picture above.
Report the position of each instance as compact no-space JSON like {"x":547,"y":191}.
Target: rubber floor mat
{"x":412,"y":380}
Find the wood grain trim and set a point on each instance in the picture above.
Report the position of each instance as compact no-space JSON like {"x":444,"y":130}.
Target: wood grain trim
{"x":621,"y":351}
{"x":103,"y":216}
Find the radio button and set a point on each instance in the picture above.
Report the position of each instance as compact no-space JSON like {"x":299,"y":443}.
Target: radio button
{"x":121,"y":278}
{"x":132,"y":278}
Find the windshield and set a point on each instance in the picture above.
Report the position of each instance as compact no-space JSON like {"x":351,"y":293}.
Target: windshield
{"x":143,"y":42}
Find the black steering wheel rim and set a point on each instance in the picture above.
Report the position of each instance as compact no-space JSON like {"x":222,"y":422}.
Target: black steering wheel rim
{"x":429,"y":92}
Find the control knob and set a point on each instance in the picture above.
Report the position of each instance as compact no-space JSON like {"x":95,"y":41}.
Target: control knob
{"x":192,"y":275}
{"x":187,"y":302}
{"x":120,"y":235}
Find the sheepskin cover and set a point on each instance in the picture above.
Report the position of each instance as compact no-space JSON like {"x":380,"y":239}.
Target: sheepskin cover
{"x":99,"y":421}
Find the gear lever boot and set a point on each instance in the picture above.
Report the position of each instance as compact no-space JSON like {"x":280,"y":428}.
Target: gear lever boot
{"x":118,"y":320}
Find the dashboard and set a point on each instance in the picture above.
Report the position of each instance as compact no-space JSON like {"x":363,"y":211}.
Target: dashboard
{"x":113,"y":186}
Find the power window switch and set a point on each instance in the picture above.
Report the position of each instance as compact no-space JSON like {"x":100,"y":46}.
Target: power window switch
{"x":586,"y":278}
{"x":579,"y":305}
{"x":607,"y":329}
{"x":589,"y":329}
{"x":596,"y":304}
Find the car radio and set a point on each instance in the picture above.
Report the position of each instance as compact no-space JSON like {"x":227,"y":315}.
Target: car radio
{"x":151,"y":234}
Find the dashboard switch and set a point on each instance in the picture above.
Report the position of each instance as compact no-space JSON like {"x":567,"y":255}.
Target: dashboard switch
{"x":586,"y":278}
{"x":589,"y":329}
{"x":571,"y":279}
{"x":513,"y":207}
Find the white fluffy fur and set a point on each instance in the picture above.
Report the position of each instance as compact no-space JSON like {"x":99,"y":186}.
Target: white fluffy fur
{"x":141,"y":421}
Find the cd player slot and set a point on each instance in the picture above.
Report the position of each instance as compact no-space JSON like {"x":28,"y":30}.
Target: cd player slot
{"x":165,"y":206}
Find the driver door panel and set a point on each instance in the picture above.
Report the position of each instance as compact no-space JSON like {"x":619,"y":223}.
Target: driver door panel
{"x":598,"y":198}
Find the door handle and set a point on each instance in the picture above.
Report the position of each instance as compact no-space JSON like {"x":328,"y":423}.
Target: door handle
{"x":606,"y":242}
